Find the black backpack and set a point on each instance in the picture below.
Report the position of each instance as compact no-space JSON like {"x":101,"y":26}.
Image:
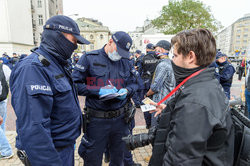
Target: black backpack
{"x":242,"y":138}
{"x":4,"y":90}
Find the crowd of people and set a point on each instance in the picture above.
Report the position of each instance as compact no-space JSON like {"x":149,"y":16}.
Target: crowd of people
{"x":192,"y":77}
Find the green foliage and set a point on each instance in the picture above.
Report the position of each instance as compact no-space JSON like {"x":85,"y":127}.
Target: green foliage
{"x":179,"y":15}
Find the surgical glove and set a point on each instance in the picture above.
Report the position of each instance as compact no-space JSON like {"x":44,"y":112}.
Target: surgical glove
{"x":124,"y":92}
{"x":107,"y":90}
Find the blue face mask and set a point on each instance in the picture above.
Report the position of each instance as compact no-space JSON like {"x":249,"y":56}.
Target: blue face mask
{"x":114,"y":56}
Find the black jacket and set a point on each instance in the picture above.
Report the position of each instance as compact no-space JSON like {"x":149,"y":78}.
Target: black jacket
{"x":189,"y":124}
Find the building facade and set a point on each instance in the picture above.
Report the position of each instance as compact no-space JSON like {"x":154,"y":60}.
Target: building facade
{"x":241,"y":35}
{"x":22,"y":23}
{"x":236,"y":37}
{"x":16,"y":26}
{"x":224,"y":40}
{"x":93,"y":31}
{"x":144,"y":35}
{"x":41,"y":11}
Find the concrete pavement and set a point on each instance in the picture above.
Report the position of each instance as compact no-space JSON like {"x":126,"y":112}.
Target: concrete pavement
{"x":138,"y":154}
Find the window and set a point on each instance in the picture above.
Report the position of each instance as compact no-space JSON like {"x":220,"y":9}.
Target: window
{"x":40,"y":19}
{"x":92,"y":47}
{"x":39,"y":3}
{"x":245,"y":35}
{"x":40,"y":37}
{"x":244,"y":41}
{"x":246,"y":30}
{"x":238,"y":31}
{"x":238,"y":42}
{"x":91,"y":36}
{"x":101,"y":36}
{"x":238,"y":37}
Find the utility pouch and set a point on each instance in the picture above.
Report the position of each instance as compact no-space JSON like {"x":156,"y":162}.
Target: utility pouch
{"x":129,"y":112}
{"x":85,"y":118}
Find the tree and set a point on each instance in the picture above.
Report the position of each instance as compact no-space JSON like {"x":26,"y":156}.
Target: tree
{"x":185,"y":14}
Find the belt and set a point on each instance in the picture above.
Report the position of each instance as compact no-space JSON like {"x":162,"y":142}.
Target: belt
{"x":105,"y":114}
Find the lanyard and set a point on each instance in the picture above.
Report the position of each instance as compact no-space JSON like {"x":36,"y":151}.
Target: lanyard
{"x":176,"y":88}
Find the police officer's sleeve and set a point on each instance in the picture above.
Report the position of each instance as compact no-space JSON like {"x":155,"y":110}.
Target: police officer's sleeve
{"x":227,"y":73}
{"x":32,"y":100}
{"x":80,"y":76}
{"x":187,"y":140}
{"x":132,"y":84}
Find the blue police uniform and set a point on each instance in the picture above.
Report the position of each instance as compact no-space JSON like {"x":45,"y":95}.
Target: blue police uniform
{"x":93,"y":71}
{"x":45,"y":99}
{"x":47,"y":125}
{"x":132,"y":61}
{"x":137,"y":97}
{"x":216,"y":68}
{"x":149,"y":63}
{"x":7,"y":62}
{"x":226,"y":72}
{"x":138,"y":63}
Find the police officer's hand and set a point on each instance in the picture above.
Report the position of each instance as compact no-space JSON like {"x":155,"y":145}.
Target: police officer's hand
{"x":158,"y":109}
{"x":109,"y":89}
{"x":1,"y":120}
{"x":124,"y":92}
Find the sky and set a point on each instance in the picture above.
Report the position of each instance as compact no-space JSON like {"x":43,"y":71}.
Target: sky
{"x":126,"y":15}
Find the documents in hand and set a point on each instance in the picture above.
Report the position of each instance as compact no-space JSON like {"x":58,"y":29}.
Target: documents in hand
{"x":147,"y":106}
{"x":110,"y":96}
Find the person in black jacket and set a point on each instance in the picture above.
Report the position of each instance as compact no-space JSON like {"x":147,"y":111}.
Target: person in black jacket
{"x":195,"y":127}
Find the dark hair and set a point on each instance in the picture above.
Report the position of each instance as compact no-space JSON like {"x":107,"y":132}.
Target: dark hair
{"x":200,"y":41}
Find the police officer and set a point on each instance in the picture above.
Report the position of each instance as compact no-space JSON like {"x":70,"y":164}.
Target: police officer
{"x":14,"y":59}
{"x":44,"y":96}
{"x":100,"y":73}
{"x":149,"y":63}
{"x":138,"y":62}
{"x":226,"y":72}
{"x":137,"y":97}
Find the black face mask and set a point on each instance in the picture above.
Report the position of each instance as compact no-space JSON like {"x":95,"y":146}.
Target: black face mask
{"x":55,"y":43}
{"x":182,"y":73}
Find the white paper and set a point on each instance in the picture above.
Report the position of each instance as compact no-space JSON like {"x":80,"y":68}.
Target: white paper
{"x":147,"y":107}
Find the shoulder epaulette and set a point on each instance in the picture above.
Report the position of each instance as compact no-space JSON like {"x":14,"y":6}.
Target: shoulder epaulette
{"x":95,"y":52}
{"x":41,"y":58}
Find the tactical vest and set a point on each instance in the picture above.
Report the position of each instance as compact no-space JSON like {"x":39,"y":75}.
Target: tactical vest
{"x":149,"y":63}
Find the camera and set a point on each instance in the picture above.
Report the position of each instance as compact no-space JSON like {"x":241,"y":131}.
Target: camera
{"x":140,"y":140}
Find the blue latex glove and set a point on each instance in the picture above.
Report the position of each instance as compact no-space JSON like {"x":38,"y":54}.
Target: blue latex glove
{"x":107,"y":90}
{"x":123,"y":90}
